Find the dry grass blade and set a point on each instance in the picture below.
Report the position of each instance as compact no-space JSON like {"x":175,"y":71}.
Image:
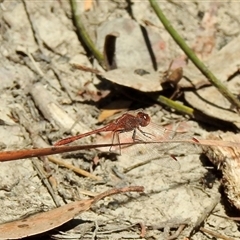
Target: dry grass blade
{"x":73,"y":168}
{"x":37,"y":152}
{"x":215,"y":234}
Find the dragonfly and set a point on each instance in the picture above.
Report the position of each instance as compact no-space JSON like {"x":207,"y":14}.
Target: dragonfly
{"x":126,"y":123}
{"x":139,"y":127}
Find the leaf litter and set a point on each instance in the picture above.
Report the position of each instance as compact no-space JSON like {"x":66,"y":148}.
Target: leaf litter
{"x":163,"y":202}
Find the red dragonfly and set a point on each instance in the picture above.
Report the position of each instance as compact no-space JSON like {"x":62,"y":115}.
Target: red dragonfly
{"x":126,"y":123}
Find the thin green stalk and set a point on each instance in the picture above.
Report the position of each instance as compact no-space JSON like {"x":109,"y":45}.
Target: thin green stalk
{"x":196,"y":61}
{"x":193,"y":113}
{"x":84,"y":35}
{"x":175,"y":105}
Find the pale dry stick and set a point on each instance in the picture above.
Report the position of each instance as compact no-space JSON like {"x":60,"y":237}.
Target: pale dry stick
{"x":73,"y":168}
{"x":87,"y":193}
{"x":94,"y":234}
{"x":52,"y":111}
{"x":215,"y":234}
{"x":38,"y":141}
{"x":40,"y":72}
{"x":226,"y":217}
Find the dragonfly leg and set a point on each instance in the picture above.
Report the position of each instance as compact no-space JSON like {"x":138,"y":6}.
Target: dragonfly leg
{"x":116,"y":134}
{"x":113,"y":137}
{"x":134,"y":136}
{"x":146,"y":134}
{"x":118,"y":139}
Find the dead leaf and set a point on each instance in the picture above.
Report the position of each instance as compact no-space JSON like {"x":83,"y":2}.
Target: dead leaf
{"x":131,"y":50}
{"x":46,"y":221}
{"x":129,"y":78}
{"x":211,"y":102}
{"x":139,"y":79}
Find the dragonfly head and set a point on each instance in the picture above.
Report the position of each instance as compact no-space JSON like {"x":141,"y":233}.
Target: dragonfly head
{"x":143,"y":119}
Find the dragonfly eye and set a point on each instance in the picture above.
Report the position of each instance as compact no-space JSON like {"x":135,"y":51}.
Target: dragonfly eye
{"x":143,"y":118}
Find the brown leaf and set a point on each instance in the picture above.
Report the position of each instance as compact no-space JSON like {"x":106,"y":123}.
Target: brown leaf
{"x":46,"y":221}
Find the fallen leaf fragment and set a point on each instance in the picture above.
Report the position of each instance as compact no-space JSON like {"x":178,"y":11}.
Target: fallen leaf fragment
{"x":113,"y":108}
{"x":88,"y":5}
{"x":46,"y":221}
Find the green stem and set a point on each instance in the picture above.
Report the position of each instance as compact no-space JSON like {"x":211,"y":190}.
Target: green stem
{"x":205,"y":71}
{"x":84,"y":35}
{"x":175,"y":105}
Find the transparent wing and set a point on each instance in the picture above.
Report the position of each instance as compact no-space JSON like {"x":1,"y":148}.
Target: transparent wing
{"x":160,"y":149}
